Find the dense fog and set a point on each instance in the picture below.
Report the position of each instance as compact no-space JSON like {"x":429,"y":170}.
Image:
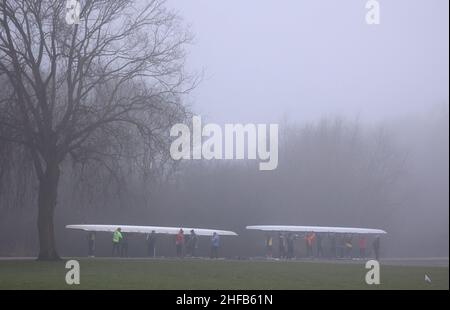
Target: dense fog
{"x":86,"y":114}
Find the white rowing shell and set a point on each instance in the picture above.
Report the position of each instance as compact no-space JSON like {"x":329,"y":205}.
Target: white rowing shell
{"x":149,"y":229}
{"x":318,"y":229}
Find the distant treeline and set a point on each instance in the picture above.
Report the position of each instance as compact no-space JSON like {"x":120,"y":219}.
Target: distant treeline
{"x":333,"y":172}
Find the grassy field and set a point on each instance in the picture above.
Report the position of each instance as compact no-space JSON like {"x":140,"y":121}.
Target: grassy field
{"x":221,"y":274}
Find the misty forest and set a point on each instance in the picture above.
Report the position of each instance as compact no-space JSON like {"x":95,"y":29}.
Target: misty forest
{"x":85,"y":117}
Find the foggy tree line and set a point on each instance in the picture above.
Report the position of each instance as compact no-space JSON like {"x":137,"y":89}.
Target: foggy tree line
{"x":333,"y":172}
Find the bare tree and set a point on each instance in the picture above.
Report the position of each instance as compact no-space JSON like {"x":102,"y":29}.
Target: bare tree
{"x":87,"y":91}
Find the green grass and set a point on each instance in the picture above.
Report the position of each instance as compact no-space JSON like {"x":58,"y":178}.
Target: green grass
{"x":204,"y":274}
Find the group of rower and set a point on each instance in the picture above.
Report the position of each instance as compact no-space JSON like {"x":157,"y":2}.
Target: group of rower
{"x":187,"y":245}
{"x":184,"y":245}
{"x":341,"y":245}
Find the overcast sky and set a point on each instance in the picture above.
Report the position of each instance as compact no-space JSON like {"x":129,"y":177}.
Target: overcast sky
{"x":305,"y":59}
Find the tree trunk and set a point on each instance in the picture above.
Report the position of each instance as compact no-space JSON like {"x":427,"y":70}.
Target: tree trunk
{"x":48,"y":189}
